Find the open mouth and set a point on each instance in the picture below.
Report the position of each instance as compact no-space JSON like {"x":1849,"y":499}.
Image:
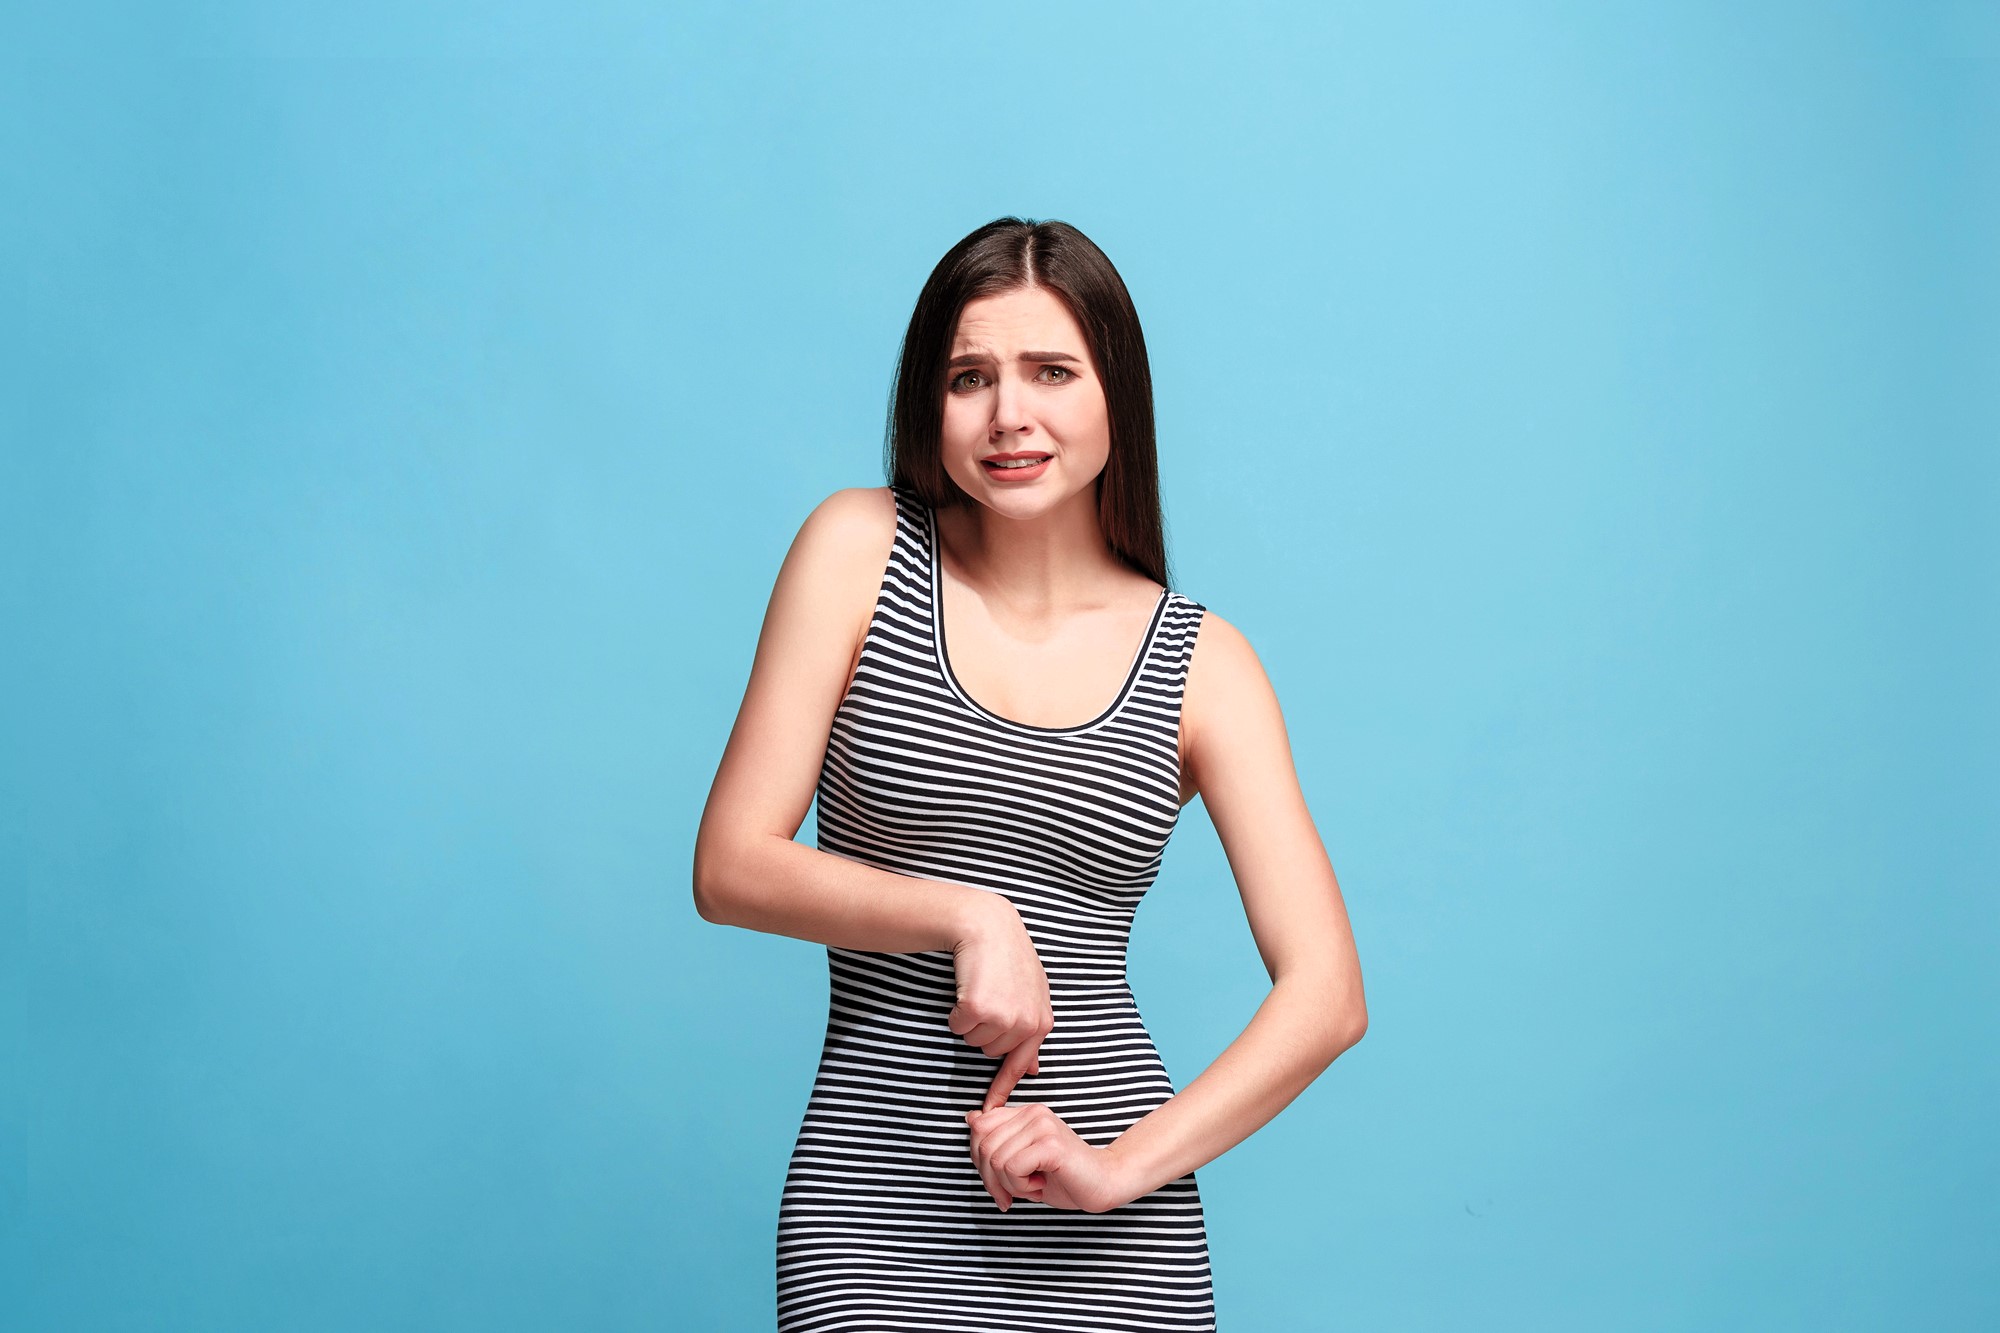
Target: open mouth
{"x":1020,"y":465}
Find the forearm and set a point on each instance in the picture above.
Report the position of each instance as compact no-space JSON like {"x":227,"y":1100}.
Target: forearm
{"x":1291,"y":1039}
{"x":783,"y":887}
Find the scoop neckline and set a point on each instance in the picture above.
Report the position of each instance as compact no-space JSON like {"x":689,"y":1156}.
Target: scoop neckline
{"x":941,"y":652}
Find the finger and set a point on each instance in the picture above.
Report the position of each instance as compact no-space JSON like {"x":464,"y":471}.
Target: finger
{"x":1001,"y":1115}
{"x":986,"y":1120}
{"x":1002,"y":1152}
{"x":977,"y":1034}
{"x":977,"y":1152}
{"x":962,"y":1019}
{"x":991,"y":1179}
{"x":1017,"y":1180}
{"x":1011,"y":1069}
{"x":988,"y":1176}
{"x":1031,"y":1152}
{"x":985,"y":1124}
{"x":1024,"y":1148}
{"x":994,"y":1185}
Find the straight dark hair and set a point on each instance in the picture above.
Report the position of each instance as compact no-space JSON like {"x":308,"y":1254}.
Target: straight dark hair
{"x":1005,"y":255}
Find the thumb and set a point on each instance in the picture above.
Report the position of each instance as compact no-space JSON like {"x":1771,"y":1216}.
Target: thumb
{"x":1011,"y":1069}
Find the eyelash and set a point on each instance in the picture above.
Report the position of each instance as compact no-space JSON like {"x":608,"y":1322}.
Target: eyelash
{"x":1067,"y":372}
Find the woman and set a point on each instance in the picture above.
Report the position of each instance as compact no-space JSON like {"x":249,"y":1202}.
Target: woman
{"x":991,"y":1140}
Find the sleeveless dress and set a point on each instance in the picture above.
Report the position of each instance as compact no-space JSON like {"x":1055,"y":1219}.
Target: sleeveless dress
{"x":884,"y":1223}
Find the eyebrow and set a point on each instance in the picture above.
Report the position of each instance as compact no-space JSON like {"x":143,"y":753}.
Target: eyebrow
{"x":977,"y":356}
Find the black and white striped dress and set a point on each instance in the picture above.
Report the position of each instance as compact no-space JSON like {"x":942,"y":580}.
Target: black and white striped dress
{"x":884,"y":1223}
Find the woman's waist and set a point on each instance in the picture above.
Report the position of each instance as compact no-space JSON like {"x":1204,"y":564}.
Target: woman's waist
{"x":1087,"y":1063}
{"x":922,"y":981}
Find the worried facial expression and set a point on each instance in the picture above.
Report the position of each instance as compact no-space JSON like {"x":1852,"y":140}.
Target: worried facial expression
{"x":1021,"y":382}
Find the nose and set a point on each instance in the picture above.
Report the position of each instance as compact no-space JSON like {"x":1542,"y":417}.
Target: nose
{"x":1010,"y":406}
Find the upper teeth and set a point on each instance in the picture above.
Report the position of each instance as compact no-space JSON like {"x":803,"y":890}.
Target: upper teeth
{"x":1016,"y":462}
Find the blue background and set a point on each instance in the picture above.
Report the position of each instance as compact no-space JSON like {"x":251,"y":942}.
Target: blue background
{"x":1587,"y":412}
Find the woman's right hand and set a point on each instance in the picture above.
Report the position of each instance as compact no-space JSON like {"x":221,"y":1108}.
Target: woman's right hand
{"x":1003,"y":996}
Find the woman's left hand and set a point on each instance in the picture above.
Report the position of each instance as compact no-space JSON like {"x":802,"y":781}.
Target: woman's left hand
{"x":1027,"y":1152}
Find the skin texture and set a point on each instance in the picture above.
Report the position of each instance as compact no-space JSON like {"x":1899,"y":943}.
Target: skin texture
{"x":1041,"y":618}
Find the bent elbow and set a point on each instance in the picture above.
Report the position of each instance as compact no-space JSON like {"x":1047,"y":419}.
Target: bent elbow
{"x":1349,"y":1021}
{"x":1345,"y":1026}
{"x":705,"y":905}
{"x":710,"y":896}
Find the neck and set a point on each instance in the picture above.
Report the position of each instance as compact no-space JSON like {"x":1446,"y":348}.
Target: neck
{"x":1055,"y":558}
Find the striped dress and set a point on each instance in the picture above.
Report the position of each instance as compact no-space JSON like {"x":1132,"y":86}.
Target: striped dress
{"x":884,"y":1223}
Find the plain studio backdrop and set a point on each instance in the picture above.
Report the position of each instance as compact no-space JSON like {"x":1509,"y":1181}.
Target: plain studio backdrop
{"x":1588,"y":412}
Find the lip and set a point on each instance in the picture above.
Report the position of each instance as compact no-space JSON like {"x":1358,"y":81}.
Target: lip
{"x":1016,"y":474}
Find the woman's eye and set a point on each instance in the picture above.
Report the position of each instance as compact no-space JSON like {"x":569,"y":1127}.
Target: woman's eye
{"x":958,"y":381}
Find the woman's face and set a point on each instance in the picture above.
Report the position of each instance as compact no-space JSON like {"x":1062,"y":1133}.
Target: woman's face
{"x":1022,"y":381}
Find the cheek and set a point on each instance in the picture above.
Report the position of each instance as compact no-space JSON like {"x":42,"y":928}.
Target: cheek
{"x":1086,"y":427}
{"x":1086,"y":413}
{"x":1089,"y":417}
{"x":961,"y":419}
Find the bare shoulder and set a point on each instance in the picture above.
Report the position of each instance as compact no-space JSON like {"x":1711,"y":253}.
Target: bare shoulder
{"x":1228,"y":702}
{"x":853,"y":523}
{"x":826,"y":588}
{"x":843,"y":544}
{"x":1222,"y":658}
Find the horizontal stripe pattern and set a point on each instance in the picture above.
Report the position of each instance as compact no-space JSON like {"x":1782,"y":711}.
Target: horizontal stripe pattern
{"x":884,"y":1222}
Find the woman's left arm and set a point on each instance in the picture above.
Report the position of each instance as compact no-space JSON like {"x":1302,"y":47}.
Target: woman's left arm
{"x":1237,"y":756}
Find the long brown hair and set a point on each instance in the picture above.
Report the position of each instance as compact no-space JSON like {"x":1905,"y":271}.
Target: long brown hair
{"x":1004,"y":255}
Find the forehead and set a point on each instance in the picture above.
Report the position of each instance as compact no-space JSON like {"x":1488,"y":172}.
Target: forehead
{"x":1028,"y":317}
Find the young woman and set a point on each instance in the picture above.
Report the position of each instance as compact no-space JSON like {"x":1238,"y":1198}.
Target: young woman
{"x":949,"y":664}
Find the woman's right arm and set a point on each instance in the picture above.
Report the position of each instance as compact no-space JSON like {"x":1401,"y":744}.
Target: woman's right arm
{"x":748,"y":871}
